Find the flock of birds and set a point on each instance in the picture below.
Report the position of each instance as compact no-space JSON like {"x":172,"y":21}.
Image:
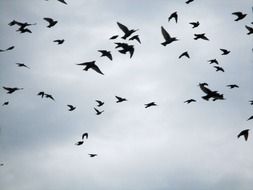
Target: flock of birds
{"x":124,"y":48}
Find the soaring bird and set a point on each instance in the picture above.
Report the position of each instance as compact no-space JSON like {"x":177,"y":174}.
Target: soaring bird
{"x":213,"y":61}
{"x":59,"y":41}
{"x":106,"y":54}
{"x":113,"y":37}
{"x":219,"y":68}
{"x":244,"y":133}
{"x":150,"y":104}
{"x":189,"y":1}
{"x":71,"y":107}
{"x":200,"y":36}
{"x":98,"y":112}
{"x":5,"y":103}
{"x":125,"y":48}
{"x":49,"y":96}
{"x":251,"y":102}
{"x":120,"y":99}
{"x":92,"y":155}
{"x":24,"y":30}
{"x":100,"y":103}
{"x":79,"y":143}
{"x":194,"y":24}
{"x":126,"y":31}
{"x":91,"y":65}
{"x":167,"y":37}
{"x":42,"y":94}
{"x":7,"y":49}
{"x":251,"y":117}
{"x":51,"y":22}
{"x":173,"y":15}
{"x":209,"y":93}
{"x":184,"y":54}
{"x":11,"y":90}
{"x":239,"y":15}
{"x":135,"y":37}
{"x":233,"y":86}
{"x":189,"y":101}
{"x":22,"y":65}
{"x":250,"y":30}
{"x":225,"y":51}
{"x":85,"y":135}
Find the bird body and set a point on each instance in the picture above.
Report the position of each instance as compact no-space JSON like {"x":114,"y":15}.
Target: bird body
{"x":173,"y":15}
{"x":71,"y":107}
{"x":251,"y":117}
{"x":200,"y":36}
{"x":213,"y":61}
{"x":91,"y":65}
{"x":244,"y":133}
{"x":167,"y":37}
{"x":239,"y":15}
{"x":120,"y":99}
{"x":59,"y":41}
{"x":114,"y":37}
{"x":186,"y":54}
{"x":5,"y":103}
{"x":250,"y":29}
{"x":219,"y":68}
{"x":79,"y":143}
{"x":98,"y":112}
{"x":100,"y":103}
{"x":92,"y":155}
{"x":224,"y":51}
{"x":150,"y":104}
{"x":22,"y":65}
{"x":209,"y":93}
{"x":194,"y":24}
{"x":10,"y":90}
{"x":189,"y":101}
{"x":233,"y":86}
{"x":106,"y":54}
{"x":126,"y":31}
{"x":125,"y":48}
{"x":51,"y":22}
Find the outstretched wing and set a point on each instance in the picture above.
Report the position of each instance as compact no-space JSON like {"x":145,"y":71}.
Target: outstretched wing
{"x":85,"y":135}
{"x":123,"y":27}
{"x":165,"y":34}
{"x":48,"y":20}
{"x":96,"y":68}
{"x":62,"y":1}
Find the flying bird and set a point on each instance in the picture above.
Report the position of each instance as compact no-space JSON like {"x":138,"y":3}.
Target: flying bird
{"x":85,"y":135}
{"x":239,"y":15}
{"x":189,"y":101}
{"x":167,"y":37}
{"x":233,"y":86}
{"x":173,"y":15}
{"x":50,"y":21}
{"x":91,"y":65}
{"x":22,"y":65}
{"x":79,"y":143}
{"x":136,"y":37}
{"x":7,"y":49}
{"x":49,"y":96}
{"x":114,"y":37}
{"x":92,"y":155}
{"x":71,"y":107}
{"x":62,"y":1}
{"x":251,"y":102}
{"x":209,"y":93}
{"x":126,"y":31}
{"x":194,"y":24}
{"x":42,"y":94}
{"x":5,"y":103}
{"x":120,"y":99}
{"x":24,"y":30}
{"x":244,"y":133}
{"x":200,"y":36}
{"x":219,"y":68}
{"x":11,"y":90}
{"x":250,"y":30}
{"x":100,"y":103}
{"x":150,"y":104}
{"x":211,"y":61}
{"x":224,"y":51}
{"x":251,"y":117}
{"x":106,"y":54}
{"x":59,"y":41}
{"x":125,"y":48}
{"x":184,"y":54}
{"x":189,"y":1}
{"x":98,"y":112}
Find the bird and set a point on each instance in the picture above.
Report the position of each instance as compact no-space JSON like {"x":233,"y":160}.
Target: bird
{"x":85,"y":135}
{"x":98,"y":112}
{"x":114,"y":37}
{"x":244,"y":133}
{"x":120,"y":99}
{"x":92,"y":155}
{"x":49,"y":96}
{"x":167,"y":37}
{"x":250,"y":29}
{"x":71,"y":107}
{"x":59,"y":41}
{"x":125,"y":48}
{"x":239,"y":15}
{"x":100,"y":103}
{"x":22,"y":25}
{"x":219,"y":68}
{"x":213,"y":61}
{"x":251,"y":102}
{"x":42,"y":94}
{"x":91,"y":65}
{"x":79,"y":143}
{"x":184,"y":54}
{"x":200,"y":36}
{"x":5,"y":103}
{"x":11,"y":90}
{"x":225,"y":51}
{"x":209,"y":93}
{"x":150,"y":104}
{"x":22,"y":65}
{"x":189,"y":1}
{"x":135,"y":37}
{"x":1,"y":164}
{"x":50,"y":21}
{"x":173,"y":15}
{"x":251,"y":117}
{"x":194,"y":24}
{"x":7,"y":49}
{"x":23,"y":30}
{"x":106,"y":54}
{"x":62,"y":1}
{"x":189,"y":101}
{"x":233,"y":86}
{"x":126,"y":31}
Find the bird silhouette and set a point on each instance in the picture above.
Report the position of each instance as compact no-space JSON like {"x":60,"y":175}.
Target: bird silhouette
{"x":114,"y":37}
{"x":11,"y":90}
{"x":150,"y":104}
{"x":194,"y":24}
{"x":62,"y":1}
{"x":189,"y":1}
{"x":209,"y":93}
{"x":126,"y":31}
{"x":22,"y":65}
{"x":200,"y":36}
{"x":7,"y":49}
{"x":224,"y":51}
{"x":250,"y":29}
{"x":79,"y":143}
{"x":125,"y":48}
{"x":136,"y":37}
{"x":120,"y":99}
{"x":71,"y":107}
{"x":42,"y":94}
{"x":100,"y":103}
{"x":98,"y":112}
{"x":219,"y":68}
{"x":211,"y":61}
{"x":184,"y":54}
{"x":233,"y":86}
{"x":106,"y":54}
{"x":244,"y":133}
{"x":239,"y":15}
{"x":51,"y":22}
{"x":173,"y":15}
{"x":251,"y":102}
{"x":92,"y":155}
{"x":85,"y":135}
{"x":167,"y":37}
{"x":24,"y":30}
{"x":22,"y":26}
{"x":251,"y":117}
{"x":5,"y":103}
{"x":59,"y":42}
{"x":189,"y":101}
{"x":49,"y":96}
{"x":91,"y":65}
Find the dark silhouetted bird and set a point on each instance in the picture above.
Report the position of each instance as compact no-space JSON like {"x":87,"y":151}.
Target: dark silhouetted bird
{"x":114,"y":37}
{"x":71,"y":107}
{"x":100,"y":103}
{"x":224,"y":51}
{"x":62,"y":1}
{"x":98,"y":112}
{"x":239,"y":15}
{"x":251,"y":102}
{"x":167,"y":37}
{"x":120,"y":99}
{"x":200,"y":36}
{"x":50,"y":21}
{"x":250,"y":30}
{"x":244,"y":133}
{"x":189,"y":1}
{"x":49,"y":96}
{"x":126,"y":31}
{"x":85,"y":135}
{"x":106,"y":54}
{"x":211,"y":61}
{"x":209,"y":93}
{"x":219,"y":68}
{"x":135,"y":37}
{"x":59,"y":41}
{"x":42,"y":94}
{"x":150,"y":104}
{"x":194,"y":24}
{"x":189,"y":101}
{"x":233,"y":86}
{"x":184,"y":54}
{"x":173,"y":15}
{"x":125,"y":48}
{"x":11,"y":90}
{"x":79,"y":143}
{"x":23,"y":30}
{"x":251,"y":117}
{"x":22,"y":65}
{"x":92,"y":155}
{"x":91,"y":65}
{"x":7,"y":49}
{"x":5,"y":103}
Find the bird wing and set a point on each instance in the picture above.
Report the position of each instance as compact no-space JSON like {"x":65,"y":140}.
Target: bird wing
{"x":123,"y":27}
{"x":205,"y":89}
{"x":62,"y":1}
{"x":96,"y":68}
{"x":131,"y":51}
{"x":249,"y":28}
{"x":96,"y":110}
{"x":109,"y":55}
{"x":85,"y":135}
{"x":165,"y":34}
{"x":10,"y":48}
{"x":50,"y":20}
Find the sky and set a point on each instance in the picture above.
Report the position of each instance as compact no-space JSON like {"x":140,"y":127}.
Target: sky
{"x":170,"y":146}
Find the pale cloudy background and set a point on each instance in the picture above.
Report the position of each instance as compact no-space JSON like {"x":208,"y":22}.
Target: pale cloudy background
{"x":171,"y":146}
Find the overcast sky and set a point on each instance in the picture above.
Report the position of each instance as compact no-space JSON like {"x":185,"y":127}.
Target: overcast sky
{"x":171,"y":146}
